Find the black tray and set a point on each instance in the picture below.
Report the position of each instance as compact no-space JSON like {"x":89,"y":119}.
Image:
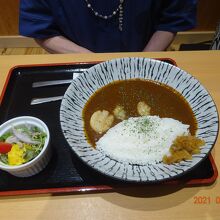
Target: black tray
{"x":65,"y":172}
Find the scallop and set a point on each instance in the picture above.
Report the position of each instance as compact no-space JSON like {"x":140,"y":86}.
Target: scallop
{"x":143,"y":109}
{"x":119,"y":112}
{"x":101,"y":121}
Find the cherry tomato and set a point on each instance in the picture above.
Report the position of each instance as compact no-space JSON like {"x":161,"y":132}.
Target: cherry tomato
{"x":5,"y":147}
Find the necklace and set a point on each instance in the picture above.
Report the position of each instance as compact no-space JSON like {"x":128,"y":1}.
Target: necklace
{"x":118,"y":10}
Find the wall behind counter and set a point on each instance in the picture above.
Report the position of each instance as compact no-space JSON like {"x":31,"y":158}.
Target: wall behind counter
{"x":9,"y":10}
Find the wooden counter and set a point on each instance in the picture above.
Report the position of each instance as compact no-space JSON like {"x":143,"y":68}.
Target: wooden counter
{"x":173,"y":202}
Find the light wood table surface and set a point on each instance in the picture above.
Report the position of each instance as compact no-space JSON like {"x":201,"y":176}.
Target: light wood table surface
{"x":154,"y":203}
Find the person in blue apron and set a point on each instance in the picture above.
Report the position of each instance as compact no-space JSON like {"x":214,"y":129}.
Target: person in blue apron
{"x":85,"y":26}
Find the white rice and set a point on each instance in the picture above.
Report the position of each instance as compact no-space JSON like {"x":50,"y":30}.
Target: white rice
{"x":141,"y":140}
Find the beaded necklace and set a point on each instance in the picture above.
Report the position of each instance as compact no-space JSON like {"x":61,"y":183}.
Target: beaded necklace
{"x":119,"y":10}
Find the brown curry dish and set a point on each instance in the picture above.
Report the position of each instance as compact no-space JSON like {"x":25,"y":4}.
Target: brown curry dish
{"x":163,"y":100}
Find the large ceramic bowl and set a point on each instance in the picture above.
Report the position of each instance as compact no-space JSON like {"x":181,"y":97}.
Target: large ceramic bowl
{"x":100,"y":75}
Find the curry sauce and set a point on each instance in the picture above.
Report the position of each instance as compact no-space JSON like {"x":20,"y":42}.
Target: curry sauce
{"x":163,"y":100}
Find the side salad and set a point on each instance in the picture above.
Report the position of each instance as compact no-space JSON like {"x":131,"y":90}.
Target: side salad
{"x":21,"y":144}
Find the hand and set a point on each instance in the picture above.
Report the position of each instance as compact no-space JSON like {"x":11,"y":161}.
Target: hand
{"x":160,"y":41}
{"x":60,"y":44}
